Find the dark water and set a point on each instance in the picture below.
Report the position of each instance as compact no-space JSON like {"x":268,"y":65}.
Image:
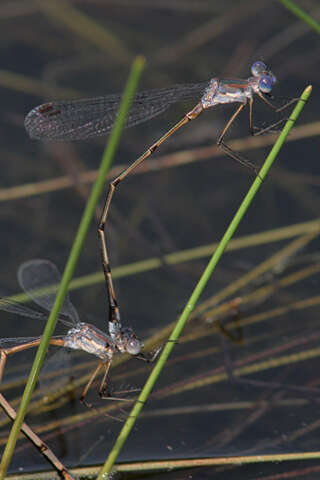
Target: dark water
{"x":193,"y":412}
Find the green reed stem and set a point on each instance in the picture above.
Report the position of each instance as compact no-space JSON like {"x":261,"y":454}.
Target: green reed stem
{"x":87,"y":216}
{"x":298,"y":12}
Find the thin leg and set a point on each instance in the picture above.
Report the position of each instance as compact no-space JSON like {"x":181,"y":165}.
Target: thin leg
{"x":251,"y":129}
{"x":103,"y":384}
{"x":149,"y":357}
{"x":38,"y":443}
{"x":86,"y":388}
{"x":226,"y":148}
{"x":235,"y":155}
{"x":269,"y":128}
{"x":5,"y":352}
{"x":230,"y":121}
{"x":93,"y":376}
{"x":274,"y":107}
{"x":114,"y":314}
{"x":238,"y":158}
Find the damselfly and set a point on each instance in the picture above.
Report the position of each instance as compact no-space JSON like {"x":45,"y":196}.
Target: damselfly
{"x":82,"y":119}
{"x":39,"y":275}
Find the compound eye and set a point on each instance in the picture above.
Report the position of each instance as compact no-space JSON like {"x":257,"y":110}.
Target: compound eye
{"x":133,"y":346}
{"x":257,"y":68}
{"x":265,"y":84}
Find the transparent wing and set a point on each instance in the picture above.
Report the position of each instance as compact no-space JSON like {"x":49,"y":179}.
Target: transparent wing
{"x":42,"y":274}
{"x":85,"y":118}
{"x":9,"y":305}
{"x":56,"y":371}
{"x":12,"y":342}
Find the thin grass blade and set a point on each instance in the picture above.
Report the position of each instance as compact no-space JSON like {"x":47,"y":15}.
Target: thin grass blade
{"x":88,"y":214}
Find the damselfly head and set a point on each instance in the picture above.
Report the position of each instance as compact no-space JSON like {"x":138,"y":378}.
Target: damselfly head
{"x":130,"y":343}
{"x":258,"y":68}
{"x":266,"y":77}
{"x":266,"y":83}
{"x":134,"y":346}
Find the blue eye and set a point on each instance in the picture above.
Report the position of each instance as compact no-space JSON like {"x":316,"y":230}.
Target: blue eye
{"x":266,"y":84}
{"x":257,"y":68}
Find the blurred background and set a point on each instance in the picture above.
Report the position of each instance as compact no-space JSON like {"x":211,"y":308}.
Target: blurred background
{"x":181,"y":200}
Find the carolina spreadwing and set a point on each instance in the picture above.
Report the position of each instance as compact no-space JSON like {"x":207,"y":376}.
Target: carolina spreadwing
{"x":86,"y":118}
{"x":35,"y":275}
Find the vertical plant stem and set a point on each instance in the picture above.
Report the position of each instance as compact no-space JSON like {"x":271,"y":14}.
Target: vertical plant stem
{"x":301,"y":14}
{"x":87,"y":216}
{"x":127,"y":427}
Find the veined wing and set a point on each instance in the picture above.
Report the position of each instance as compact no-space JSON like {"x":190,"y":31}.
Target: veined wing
{"x":37,"y":275}
{"x":86,"y":118}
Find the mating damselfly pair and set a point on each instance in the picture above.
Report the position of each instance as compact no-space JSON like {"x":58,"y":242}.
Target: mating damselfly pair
{"x":81,"y":119}
{"x":85,"y":118}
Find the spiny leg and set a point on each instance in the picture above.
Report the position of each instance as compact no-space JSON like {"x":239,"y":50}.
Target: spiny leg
{"x":226,"y":148}
{"x":238,"y":158}
{"x":91,"y":379}
{"x":230,"y":121}
{"x":274,"y":107}
{"x":231,"y":153}
{"x":103,"y":384}
{"x":86,"y":388}
{"x":255,"y":131}
{"x":114,"y":314}
{"x":104,"y":391}
{"x":106,"y":395}
{"x":149,"y":357}
{"x":270,"y":128}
